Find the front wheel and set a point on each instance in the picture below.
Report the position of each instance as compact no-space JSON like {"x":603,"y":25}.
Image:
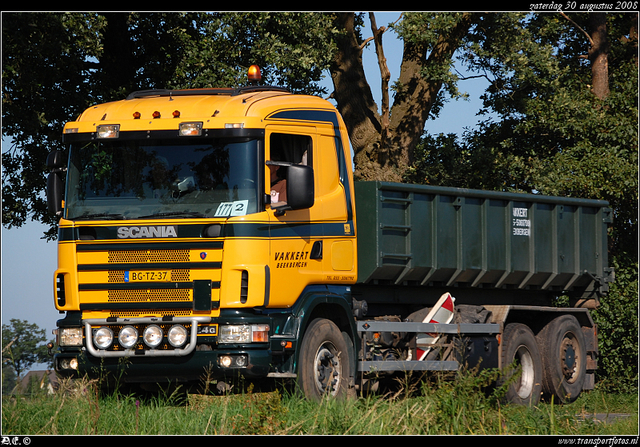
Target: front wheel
{"x":323,"y":366}
{"x":520,"y":349}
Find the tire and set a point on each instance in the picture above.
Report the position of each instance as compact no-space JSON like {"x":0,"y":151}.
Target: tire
{"x":323,"y":365}
{"x":564,"y":360}
{"x":520,"y":349}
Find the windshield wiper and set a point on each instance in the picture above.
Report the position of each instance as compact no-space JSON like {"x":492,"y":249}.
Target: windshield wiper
{"x":100,"y":216}
{"x":174,"y":214}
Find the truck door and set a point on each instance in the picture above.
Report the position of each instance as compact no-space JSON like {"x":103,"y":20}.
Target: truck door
{"x":293,"y":263}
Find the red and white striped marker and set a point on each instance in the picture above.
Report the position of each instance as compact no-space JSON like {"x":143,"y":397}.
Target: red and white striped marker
{"x":442,"y":312}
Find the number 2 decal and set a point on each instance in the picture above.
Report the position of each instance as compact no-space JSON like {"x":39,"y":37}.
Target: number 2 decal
{"x":237,"y":208}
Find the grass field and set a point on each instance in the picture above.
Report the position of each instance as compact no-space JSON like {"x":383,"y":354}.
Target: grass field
{"x":459,"y":407}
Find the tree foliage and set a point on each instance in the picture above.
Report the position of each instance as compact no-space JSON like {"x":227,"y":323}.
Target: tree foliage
{"x":45,"y":82}
{"x":57,"y":64}
{"x":552,"y":135}
{"x":23,"y":344}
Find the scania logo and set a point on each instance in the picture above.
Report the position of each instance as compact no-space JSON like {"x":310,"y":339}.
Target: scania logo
{"x":147,"y":231}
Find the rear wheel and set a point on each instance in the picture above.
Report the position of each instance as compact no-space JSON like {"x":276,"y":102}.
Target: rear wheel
{"x":323,"y":366}
{"x":565,"y":359}
{"x":519,"y":349}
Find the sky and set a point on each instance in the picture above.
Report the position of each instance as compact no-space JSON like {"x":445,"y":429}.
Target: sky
{"x":29,"y":262}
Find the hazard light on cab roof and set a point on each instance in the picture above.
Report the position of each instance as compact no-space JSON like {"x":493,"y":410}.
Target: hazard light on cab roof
{"x":254,"y":74}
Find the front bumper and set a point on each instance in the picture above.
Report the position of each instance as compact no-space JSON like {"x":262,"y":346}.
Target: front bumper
{"x":192,"y":367}
{"x":202,"y":356}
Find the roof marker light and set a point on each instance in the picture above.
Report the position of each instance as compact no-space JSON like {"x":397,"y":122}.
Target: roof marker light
{"x":176,"y":113}
{"x":136,"y":115}
{"x":156,"y":114}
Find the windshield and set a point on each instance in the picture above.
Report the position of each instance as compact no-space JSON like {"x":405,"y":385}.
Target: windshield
{"x":131,"y":179}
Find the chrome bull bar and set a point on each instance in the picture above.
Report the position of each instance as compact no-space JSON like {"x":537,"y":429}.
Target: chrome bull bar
{"x":188,"y":349}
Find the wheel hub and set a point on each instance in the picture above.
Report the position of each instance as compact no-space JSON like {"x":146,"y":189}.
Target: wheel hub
{"x":568,"y":358}
{"x":327,"y":373}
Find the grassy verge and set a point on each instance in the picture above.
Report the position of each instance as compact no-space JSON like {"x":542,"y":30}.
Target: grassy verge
{"x":462,"y":407}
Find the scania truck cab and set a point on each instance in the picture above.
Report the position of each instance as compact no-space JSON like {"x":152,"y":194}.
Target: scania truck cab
{"x":171,"y":254}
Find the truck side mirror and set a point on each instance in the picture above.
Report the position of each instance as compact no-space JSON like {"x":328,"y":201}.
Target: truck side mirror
{"x":55,"y":188}
{"x":300,"y":189}
{"x":56,"y":160}
{"x":54,"y":193}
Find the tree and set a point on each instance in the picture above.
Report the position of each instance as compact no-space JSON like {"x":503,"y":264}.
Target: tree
{"x":598,"y":53}
{"x":292,"y":50}
{"x":23,"y":344}
{"x":383,"y":144}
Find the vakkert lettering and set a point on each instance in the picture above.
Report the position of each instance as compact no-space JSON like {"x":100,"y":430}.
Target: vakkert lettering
{"x":521,"y":223}
{"x":147,"y":231}
{"x":291,"y":259}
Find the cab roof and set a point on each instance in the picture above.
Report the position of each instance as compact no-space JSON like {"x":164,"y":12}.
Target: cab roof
{"x":162,"y":109}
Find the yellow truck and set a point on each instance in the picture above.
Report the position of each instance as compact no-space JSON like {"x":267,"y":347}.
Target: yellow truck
{"x":219,"y":233}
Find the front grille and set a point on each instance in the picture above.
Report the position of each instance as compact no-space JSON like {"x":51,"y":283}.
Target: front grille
{"x":143,"y":313}
{"x":111,"y":278}
{"x":149,"y":295}
{"x":140,"y":256}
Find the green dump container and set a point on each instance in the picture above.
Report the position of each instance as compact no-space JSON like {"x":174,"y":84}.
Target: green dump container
{"x":453,"y":237}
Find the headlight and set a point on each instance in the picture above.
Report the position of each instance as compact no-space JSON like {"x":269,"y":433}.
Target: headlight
{"x":70,"y":336}
{"x":152,"y":336}
{"x":244,"y":333}
{"x":177,"y":335}
{"x":128,"y":337}
{"x":233,"y":361}
{"x":103,"y":337}
{"x":234,"y":334}
{"x":68,"y":363}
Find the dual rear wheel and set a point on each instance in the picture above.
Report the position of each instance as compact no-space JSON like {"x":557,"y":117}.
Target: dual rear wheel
{"x":565,"y":360}
{"x":551,"y":363}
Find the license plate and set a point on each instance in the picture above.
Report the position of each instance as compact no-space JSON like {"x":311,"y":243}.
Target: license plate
{"x":147,"y":276}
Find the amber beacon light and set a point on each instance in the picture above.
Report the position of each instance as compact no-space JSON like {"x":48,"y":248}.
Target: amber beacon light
{"x":254,"y":74}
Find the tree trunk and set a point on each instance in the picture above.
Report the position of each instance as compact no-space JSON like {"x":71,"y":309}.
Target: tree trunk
{"x":599,"y":54}
{"x":353,"y":96}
